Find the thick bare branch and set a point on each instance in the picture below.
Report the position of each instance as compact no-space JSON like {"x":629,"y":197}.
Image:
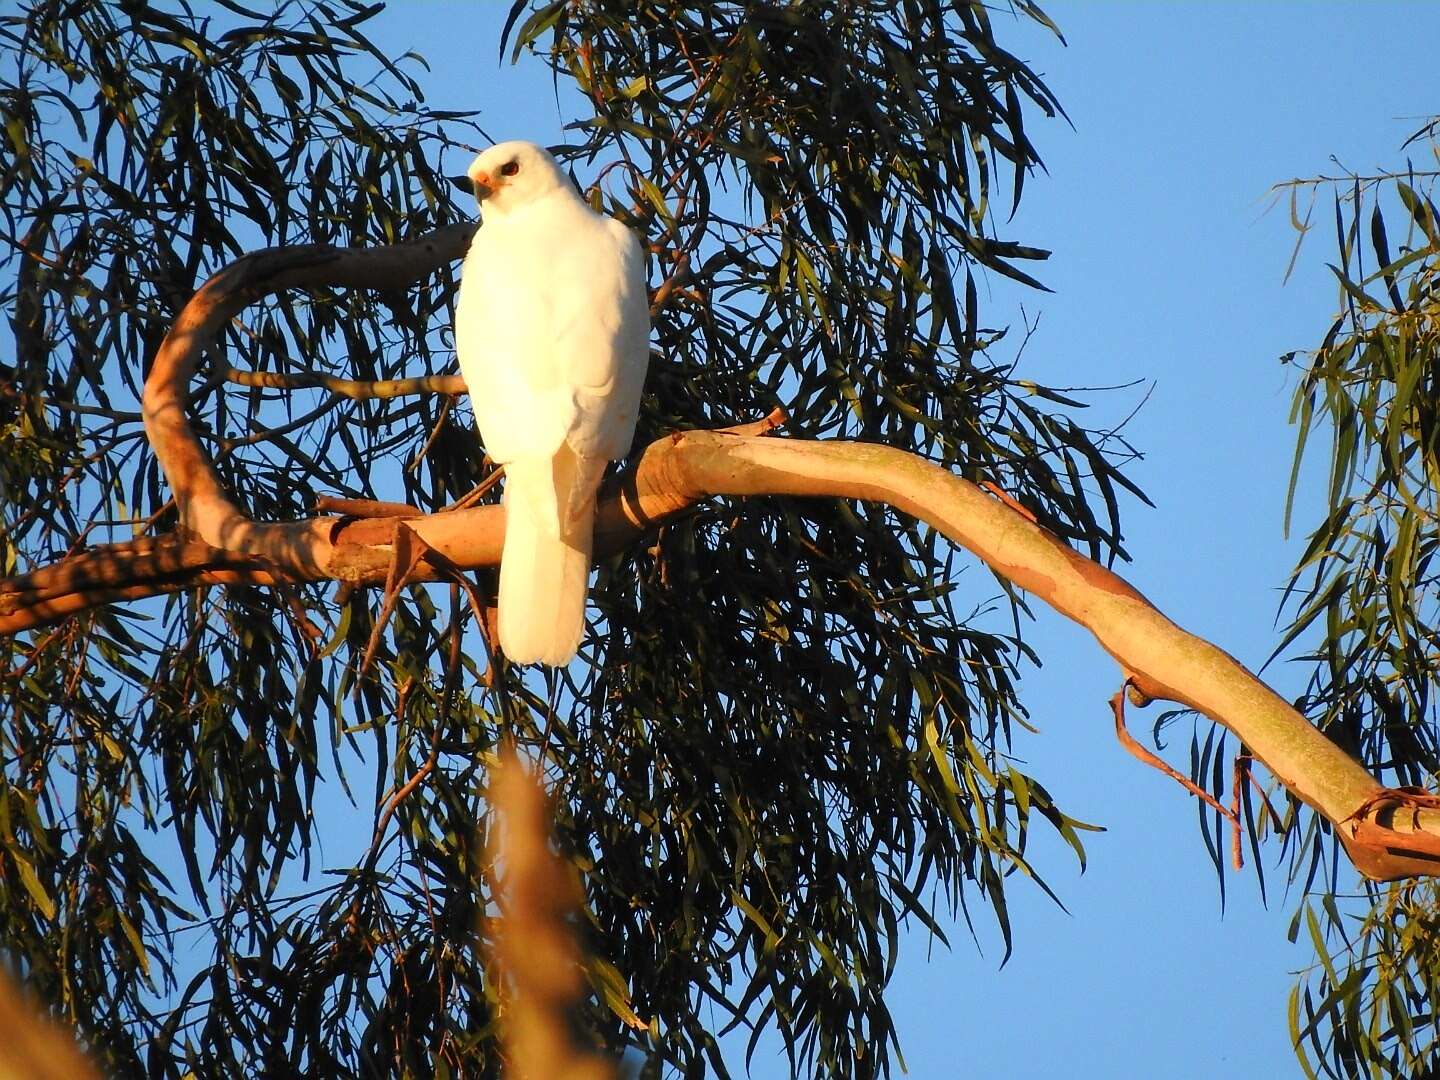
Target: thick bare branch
{"x":205,"y":508}
{"x":1388,"y":834}
{"x":34,"y":1046}
{"x":535,"y":945}
{"x":675,"y":473}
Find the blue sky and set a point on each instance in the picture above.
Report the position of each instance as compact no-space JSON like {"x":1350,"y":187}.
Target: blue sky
{"x":1167,"y":268}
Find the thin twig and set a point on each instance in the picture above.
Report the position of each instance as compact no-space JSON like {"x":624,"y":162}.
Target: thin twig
{"x":474,"y":494}
{"x":416,"y":778}
{"x":776,"y":417}
{"x":351,"y":388}
{"x":408,"y":551}
{"x":259,"y":435}
{"x":671,"y":283}
{"x":365,"y":508}
{"x":1237,"y":780}
{"x":424,"y":451}
{"x":1117,"y":706}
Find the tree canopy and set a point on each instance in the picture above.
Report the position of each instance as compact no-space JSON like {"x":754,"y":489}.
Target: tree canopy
{"x":1364,"y":598}
{"x":789,"y":734}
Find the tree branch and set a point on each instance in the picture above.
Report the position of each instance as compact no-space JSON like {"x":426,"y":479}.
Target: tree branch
{"x":540,"y":961}
{"x":1388,"y":834}
{"x":206,"y":510}
{"x":351,"y":388}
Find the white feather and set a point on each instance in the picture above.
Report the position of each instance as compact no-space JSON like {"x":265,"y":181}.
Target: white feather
{"x":551,"y":329}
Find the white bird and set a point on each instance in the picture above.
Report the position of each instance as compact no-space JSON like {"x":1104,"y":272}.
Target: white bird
{"x":552,"y":332}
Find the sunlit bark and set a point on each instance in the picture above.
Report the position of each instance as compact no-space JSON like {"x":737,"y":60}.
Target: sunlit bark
{"x":1388,"y":834}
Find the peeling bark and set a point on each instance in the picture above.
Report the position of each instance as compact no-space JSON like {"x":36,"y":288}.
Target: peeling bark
{"x":1388,"y":834}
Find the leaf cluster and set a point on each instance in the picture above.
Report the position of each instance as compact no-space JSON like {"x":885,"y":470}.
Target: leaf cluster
{"x":1367,"y":590}
{"x":161,"y":763}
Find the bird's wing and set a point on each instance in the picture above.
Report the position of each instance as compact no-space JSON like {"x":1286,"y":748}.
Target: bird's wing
{"x":505,"y":321}
{"x":608,"y":348}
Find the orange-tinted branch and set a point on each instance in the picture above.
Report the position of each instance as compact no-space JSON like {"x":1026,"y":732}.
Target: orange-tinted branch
{"x":222,"y":544}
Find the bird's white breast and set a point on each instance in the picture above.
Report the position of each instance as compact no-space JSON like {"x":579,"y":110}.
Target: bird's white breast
{"x":552,"y":329}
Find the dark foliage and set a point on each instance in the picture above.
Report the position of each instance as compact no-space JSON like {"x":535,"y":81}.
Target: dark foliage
{"x":790,"y":731}
{"x":1367,"y":592}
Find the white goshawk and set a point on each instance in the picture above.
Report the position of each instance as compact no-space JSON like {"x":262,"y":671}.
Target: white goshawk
{"x":552,"y":333}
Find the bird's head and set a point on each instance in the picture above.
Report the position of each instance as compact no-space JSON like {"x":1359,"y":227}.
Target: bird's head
{"x":511,"y":174}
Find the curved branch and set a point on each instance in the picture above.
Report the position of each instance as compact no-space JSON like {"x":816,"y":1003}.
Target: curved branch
{"x":1388,"y":834}
{"x":205,"y":508}
{"x":676,"y":472}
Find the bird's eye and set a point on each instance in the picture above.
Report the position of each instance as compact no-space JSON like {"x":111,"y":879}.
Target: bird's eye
{"x":510,"y":168}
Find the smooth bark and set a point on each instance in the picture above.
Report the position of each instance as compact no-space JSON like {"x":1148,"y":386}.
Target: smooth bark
{"x":1389,"y":834}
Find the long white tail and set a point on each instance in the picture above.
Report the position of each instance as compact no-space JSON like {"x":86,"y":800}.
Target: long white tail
{"x":545,"y":564}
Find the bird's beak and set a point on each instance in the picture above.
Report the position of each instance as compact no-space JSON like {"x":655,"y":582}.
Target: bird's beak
{"x":483,"y":187}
